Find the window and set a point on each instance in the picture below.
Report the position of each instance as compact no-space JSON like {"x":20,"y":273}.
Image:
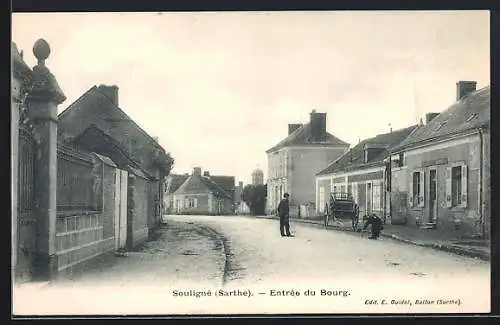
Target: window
{"x":456,"y":186}
{"x":401,"y":159}
{"x":416,"y":188}
{"x":191,"y":203}
{"x":416,"y":195}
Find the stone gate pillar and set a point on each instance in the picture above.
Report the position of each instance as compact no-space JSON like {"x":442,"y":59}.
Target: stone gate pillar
{"x":42,"y":103}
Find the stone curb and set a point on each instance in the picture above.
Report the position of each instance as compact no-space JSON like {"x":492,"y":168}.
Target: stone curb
{"x":470,"y":252}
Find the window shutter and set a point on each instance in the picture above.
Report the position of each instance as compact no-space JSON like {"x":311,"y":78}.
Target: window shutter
{"x":410,"y":191}
{"x":422,"y":190}
{"x":448,"y":187}
{"x":463,"y":202}
{"x":195,"y":202}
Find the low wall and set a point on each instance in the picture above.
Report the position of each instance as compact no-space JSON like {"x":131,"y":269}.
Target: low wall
{"x":79,"y":238}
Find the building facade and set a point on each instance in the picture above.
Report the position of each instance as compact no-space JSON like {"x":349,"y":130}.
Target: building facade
{"x":293,"y":162}
{"x":204,"y":195}
{"x":441,"y":174}
{"x":362,"y":171}
{"x":172,"y":183}
{"x":97,"y":115}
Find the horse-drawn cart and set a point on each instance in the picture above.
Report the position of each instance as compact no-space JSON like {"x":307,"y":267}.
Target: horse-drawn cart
{"x":341,"y":206}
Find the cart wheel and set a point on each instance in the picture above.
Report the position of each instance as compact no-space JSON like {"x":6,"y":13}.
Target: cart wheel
{"x":326,"y":217}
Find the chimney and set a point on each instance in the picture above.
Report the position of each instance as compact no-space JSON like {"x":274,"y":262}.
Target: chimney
{"x":293,"y":127}
{"x":197,"y":171}
{"x":429,"y":117}
{"x":206,"y":173}
{"x":111,"y":92}
{"x":464,"y":88}
{"x":318,"y":126}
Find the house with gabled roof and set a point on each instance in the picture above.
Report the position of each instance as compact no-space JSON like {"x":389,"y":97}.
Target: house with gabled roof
{"x":441,"y":178}
{"x":96,"y":123}
{"x":294,"y":161}
{"x":362,"y":172}
{"x":204,"y":194}
{"x":172,"y":183}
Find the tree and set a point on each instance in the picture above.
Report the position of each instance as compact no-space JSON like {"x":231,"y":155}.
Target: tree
{"x":255,"y":197}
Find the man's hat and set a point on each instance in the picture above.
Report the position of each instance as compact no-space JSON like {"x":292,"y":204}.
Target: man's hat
{"x":286,"y":195}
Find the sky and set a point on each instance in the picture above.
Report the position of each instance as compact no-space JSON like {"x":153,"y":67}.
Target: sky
{"x":219,"y":88}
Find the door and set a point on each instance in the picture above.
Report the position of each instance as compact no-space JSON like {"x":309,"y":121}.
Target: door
{"x":432,"y":196}
{"x":369,"y":198}
{"x":123,"y":208}
{"x":121,"y":177}
{"x":117,"y":207}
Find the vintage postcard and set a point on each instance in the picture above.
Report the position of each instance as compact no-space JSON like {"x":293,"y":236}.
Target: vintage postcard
{"x":281,"y":162}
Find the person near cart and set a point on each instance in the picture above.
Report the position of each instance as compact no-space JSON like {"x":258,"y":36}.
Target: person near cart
{"x":377,"y":225}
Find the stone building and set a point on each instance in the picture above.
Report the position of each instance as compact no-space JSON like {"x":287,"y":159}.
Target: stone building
{"x":441,"y":174}
{"x":204,"y":195}
{"x":97,"y":115}
{"x":361,"y":172}
{"x":172,"y":183}
{"x":294,"y":162}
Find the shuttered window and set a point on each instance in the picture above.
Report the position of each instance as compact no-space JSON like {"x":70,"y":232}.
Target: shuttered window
{"x":456,"y":186}
{"x":416,"y":195}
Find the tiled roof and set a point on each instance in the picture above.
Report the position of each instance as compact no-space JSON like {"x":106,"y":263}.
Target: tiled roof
{"x":176,"y":181}
{"x":470,"y":112}
{"x":99,"y":141}
{"x":195,"y":184}
{"x":95,"y":90}
{"x":215,"y":187}
{"x":302,"y":136}
{"x":354,"y":158}
{"x":227,"y":183}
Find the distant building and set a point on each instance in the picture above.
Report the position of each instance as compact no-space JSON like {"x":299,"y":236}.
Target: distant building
{"x":441,"y":176}
{"x":204,"y":194}
{"x":258,"y":177}
{"x":240,"y":206}
{"x":172,"y":183}
{"x":294,"y":162}
{"x":238,"y":192}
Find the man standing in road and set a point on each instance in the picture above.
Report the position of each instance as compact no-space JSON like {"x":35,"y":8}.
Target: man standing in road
{"x":284,"y":214}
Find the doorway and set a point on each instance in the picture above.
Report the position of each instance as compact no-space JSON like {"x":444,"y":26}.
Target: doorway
{"x":121,"y":178}
{"x":432,"y":196}
{"x":369,"y":196}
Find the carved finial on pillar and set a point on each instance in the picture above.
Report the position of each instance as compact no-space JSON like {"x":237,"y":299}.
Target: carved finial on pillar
{"x":41,"y":50}
{"x":45,"y":85}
